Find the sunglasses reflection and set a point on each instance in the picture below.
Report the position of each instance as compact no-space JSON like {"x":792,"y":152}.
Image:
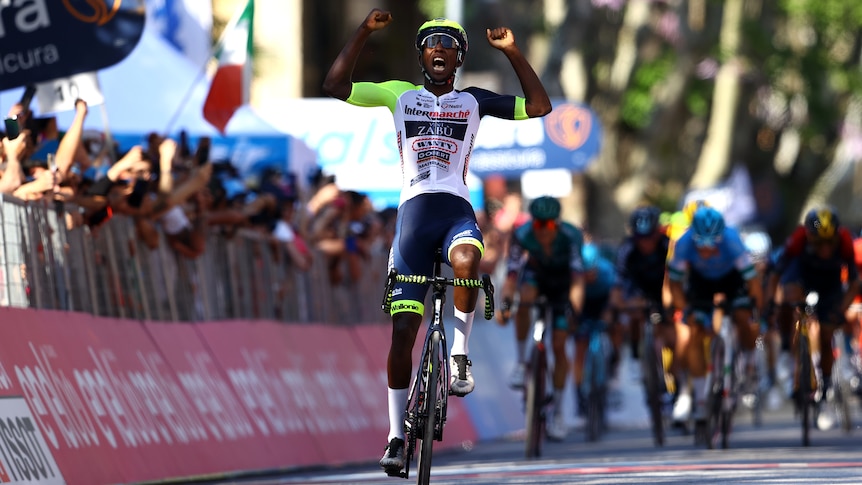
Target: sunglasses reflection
{"x":548,"y":224}
{"x":447,"y":41}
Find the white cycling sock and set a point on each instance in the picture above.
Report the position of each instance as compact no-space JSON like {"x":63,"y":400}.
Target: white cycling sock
{"x":520,"y":350}
{"x":463,"y":325}
{"x":698,"y":387}
{"x":397,"y":403}
{"x":558,"y":401}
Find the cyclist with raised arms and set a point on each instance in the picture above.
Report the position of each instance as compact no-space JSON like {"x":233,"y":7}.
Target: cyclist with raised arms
{"x":812,"y":259}
{"x":710,"y":259}
{"x":544,"y":258}
{"x":435,"y":127}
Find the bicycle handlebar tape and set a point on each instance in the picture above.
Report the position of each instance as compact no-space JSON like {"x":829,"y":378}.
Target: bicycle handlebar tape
{"x":412,"y":278}
{"x":387,"y":301}
{"x":489,"y":296}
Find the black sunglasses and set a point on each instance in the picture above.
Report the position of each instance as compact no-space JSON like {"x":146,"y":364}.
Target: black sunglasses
{"x":446,"y":40}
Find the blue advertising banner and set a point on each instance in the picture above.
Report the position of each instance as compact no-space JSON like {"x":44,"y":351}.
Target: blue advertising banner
{"x":569,"y":137}
{"x":41,"y":40}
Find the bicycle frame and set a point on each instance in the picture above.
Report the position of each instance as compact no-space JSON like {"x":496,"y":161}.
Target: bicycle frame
{"x":427,"y":400}
{"x":594,"y":383}
{"x":721,"y":377}
{"x":840,"y":386}
{"x":535,"y":388}
{"x":807,"y":380}
{"x":652,"y":370}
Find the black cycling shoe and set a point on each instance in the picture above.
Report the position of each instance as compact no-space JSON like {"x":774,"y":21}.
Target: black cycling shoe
{"x":393,"y":457}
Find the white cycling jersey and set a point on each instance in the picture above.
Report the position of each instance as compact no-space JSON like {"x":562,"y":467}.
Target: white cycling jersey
{"x":435,"y":135}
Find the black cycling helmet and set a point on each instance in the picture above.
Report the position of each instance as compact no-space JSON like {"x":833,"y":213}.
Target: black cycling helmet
{"x":644,"y":221}
{"x":821,"y":224}
{"x":545,"y":208}
{"x":446,"y":27}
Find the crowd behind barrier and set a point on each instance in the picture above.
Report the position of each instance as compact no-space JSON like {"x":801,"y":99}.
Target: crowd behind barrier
{"x":160,"y":231}
{"x":111,"y":272}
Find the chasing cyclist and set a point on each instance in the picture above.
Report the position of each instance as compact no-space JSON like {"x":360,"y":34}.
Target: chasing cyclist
{"x":435,"y":127}
{"x":544,"y":259}
{"x":812,"y":259}
{"x":640,"y":267}
{"x":599,"y":278}
{"x":710,"y":259}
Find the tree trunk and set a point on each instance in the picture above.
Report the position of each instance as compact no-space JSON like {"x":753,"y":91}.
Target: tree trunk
{"x":714,"y":158}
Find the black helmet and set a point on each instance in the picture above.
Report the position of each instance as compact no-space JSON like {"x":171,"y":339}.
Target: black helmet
{"x":644,"y":221}
{"x":545,"y":208}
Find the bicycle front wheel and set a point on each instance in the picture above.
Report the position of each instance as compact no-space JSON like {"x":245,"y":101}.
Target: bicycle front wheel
{"x":716,"y":417}
{"x":652,"y":372}
{"x":595,"y":397}
{"x":805,"y":390}
{"x":535,"y":396}
{"x":429,"y":414}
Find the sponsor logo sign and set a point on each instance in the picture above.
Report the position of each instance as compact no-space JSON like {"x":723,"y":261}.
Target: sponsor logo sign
{"x":41,"y":40}
{"x":24,"y":455}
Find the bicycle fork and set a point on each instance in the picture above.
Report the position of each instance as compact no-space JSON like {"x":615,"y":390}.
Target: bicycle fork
{"x":724,"y":375}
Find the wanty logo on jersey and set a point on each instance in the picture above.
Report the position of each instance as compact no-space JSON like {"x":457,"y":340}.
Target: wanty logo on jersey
{"x":460,"y":115}
{"x":431,"y":143}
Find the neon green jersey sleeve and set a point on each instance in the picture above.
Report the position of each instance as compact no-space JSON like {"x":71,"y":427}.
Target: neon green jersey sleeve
{"x":367,"y":94}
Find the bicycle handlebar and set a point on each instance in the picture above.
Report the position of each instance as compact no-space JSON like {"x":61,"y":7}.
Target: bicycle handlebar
{"x":484,"y":283}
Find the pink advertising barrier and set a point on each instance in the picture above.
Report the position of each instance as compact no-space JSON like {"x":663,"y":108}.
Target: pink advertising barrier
{"x":87,"y":400}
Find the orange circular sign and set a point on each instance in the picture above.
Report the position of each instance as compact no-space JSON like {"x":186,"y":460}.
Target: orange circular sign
{"x":569,"y":126}
{"x":101,"y":12}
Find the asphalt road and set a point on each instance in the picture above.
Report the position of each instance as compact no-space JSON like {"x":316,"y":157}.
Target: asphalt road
{"x":771,"y":453}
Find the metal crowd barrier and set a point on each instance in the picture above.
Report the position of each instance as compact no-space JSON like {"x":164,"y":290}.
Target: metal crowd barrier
{"x":107,"y":271}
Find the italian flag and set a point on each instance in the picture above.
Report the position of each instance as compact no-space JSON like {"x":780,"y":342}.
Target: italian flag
{"x":230,"y":86}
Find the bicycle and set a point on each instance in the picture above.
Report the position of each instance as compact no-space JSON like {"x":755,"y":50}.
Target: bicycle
{"x":751,"y":387}
{"x":594,"y":386}
{"x":536,"y":395}
{"x":427,"y":399}
{"x":840,"y":387}
{"x":655,"y":378}
{"x":807,"y":379}
{"x":721,"y":383}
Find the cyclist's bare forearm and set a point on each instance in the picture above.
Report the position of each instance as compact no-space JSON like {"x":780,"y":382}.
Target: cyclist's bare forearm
{"x":677,"y":295}
{"x":771,"y":286}
{"x":538,"y":103}
{"x":576,"y":294}
{"x":338,"y":82}
{"x":755,"y":291}
{"x":852,"y":291}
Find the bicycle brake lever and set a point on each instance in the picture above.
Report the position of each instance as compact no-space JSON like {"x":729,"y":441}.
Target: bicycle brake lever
{"x":386,"y":306}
